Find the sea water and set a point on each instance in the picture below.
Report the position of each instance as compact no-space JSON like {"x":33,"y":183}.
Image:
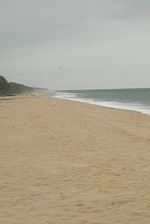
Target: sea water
{"x":128,"y":99}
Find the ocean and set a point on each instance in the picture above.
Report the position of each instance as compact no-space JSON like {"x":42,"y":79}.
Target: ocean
{"x":127,"y":99}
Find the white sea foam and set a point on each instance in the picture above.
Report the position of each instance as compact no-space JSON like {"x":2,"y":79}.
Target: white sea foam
{"x":64,"y":95}
{"x":111,"y":104}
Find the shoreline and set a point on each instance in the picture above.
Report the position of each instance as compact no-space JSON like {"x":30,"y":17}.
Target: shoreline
{"x":115,"y":103}
{"x":70,"y":162}
{"x":100,"y":105}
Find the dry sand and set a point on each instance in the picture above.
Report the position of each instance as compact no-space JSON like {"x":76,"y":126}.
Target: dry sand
{"x":66,"y":162}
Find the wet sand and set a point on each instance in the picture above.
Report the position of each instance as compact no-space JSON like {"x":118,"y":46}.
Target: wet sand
{"x":65,"y":162}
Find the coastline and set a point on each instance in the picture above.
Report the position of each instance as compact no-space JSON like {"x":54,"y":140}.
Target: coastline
{"x":103,"y":105}
{"x":70,"y":162}
{"x":134,"y":100}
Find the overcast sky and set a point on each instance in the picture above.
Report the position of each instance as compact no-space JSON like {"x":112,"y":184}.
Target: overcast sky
{"x":76,"y":44}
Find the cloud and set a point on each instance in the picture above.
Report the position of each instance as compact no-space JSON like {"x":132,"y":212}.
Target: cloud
{"x":75,"y":44}
{"x":32,"y":21}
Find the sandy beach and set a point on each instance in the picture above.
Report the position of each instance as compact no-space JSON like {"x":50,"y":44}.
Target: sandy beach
{"x":64,"y":162}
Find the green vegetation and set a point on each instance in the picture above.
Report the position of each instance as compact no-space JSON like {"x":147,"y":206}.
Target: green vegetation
{"x":11,"y":88}
{"x":15,"y":88}
{"x":4,"y":86}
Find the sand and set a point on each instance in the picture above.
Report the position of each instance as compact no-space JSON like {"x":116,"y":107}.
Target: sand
{"x":64,"y":162}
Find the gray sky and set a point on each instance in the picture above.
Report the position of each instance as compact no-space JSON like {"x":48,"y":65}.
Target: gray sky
{"x":76,"y":44}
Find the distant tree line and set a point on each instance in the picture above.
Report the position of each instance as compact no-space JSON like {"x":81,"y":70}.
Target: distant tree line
{"x":11,"y":88}
{"x":4,"y":86}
